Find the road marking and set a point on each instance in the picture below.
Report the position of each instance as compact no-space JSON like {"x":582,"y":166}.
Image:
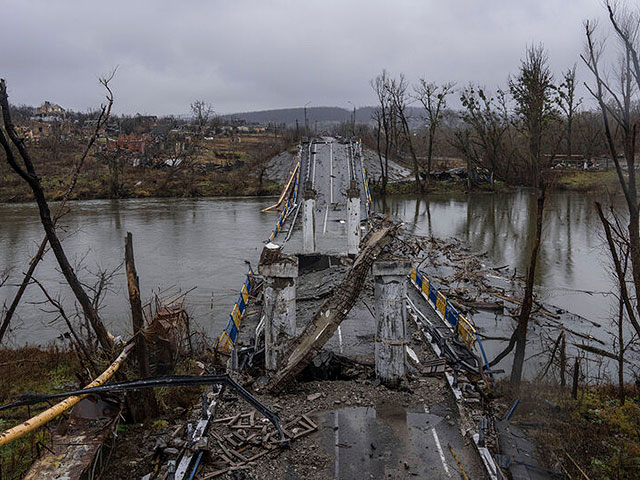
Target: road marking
{"x":326,"y":215}
{"x":439,"y":447}
{"x":336,"y":438}
{"x":331,"y":172}
{"x":340,"y":338}
{"x":349,"y":161}
{"x":315,"y":156}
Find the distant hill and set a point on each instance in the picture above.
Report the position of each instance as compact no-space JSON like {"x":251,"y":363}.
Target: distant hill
{"x":323,"y":115}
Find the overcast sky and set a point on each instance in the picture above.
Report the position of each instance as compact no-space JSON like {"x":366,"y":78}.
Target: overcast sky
{"x":253,"y":55}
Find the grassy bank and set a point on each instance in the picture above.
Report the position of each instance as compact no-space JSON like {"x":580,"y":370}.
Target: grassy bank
{"x":444,"y":186}
{"x":596,"y":430}
{"x":30,"y":369}
{"x":52,"y":370}
{"x":600,"y":182}
{"x":586,"y":181}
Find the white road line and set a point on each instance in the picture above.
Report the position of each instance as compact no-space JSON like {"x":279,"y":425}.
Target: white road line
{"x":326,"y":215}
{"x":315,"y":156}
{"x":340,"y":339}
{"x":349,"y":161}
{"x":439,"y":447}
{"x":336,"y":438}
{"x":331,"y":172}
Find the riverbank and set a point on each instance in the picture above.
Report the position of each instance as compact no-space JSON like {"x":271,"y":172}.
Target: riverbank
{"x":570,"y":180}
{"x":220,"y":168}
{"x":212,"y":168}
{"x":594,"y":432}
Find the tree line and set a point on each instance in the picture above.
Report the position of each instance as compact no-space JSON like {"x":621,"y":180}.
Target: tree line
{"x":492,"y":131}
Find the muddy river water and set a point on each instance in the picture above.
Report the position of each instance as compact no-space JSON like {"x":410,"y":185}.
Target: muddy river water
{"x":205,"y":243}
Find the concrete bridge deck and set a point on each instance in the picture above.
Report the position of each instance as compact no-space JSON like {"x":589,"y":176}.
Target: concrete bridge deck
{"x":329,"y":166}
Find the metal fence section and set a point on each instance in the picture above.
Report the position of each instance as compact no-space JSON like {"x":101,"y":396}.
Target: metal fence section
{"x":227,"y":339}
{"x":444,"y":309}
{"x":291,"y":201}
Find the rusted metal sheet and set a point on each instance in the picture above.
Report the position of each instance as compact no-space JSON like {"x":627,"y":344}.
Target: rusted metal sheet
{"x":76,"y":451}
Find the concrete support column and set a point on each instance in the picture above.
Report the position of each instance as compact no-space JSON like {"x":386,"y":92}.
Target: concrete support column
{"x":353,"y":219}
{"x":309,"y":220}
{"x":279,"y":302}
{"x":390,"y":290}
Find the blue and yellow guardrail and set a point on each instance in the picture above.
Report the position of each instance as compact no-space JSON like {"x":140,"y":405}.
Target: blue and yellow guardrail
{"x":227,"y":339}
{"x":291,"y":202}
{"x":449,"y":314}
{"x":445,"y":310}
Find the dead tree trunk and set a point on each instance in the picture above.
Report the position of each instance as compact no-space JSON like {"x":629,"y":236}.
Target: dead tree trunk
{"x":28,"y":174}
{"x":133,"y":284}
{"x":332,"y":312}
{"x":527,"y":302}
{"x":621,"y":349}
{"x":102,"y":118}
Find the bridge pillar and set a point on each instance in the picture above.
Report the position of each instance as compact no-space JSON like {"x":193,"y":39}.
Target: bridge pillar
{"x":309,"y":220}
{"x":279,"y":305}
{"x":390,"y":291}
{"x":353,"y":219}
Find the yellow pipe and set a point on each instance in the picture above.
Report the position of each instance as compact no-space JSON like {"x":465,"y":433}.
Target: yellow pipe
{"x":36,"y":422}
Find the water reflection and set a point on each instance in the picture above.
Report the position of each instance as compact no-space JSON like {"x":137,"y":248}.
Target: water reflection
{"x":182,"y":243}
{"x":204,"y":243}
{"x":503,"y":225}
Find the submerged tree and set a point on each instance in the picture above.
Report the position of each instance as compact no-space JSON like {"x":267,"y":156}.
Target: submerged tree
{"x":487,"y":129}
{"x":532,"y":92}
{"x":434,"y":100}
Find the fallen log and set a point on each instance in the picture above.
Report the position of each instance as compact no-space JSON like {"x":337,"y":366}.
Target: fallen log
{"x":596,"y":351}
{"x":333,"y":311}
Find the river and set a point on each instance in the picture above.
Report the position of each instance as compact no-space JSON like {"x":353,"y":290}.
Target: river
{"x":204,"y":243}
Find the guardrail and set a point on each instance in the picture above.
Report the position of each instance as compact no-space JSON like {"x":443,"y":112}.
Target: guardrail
{"x":444,"y":309}
{"x":228,"y":337}
{"x":449,"y":314}
{"x":291,"y":202}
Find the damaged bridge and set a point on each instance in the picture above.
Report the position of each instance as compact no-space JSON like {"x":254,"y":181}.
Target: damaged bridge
{"x":333,"y":293}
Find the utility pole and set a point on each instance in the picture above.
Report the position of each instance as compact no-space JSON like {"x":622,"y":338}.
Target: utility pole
{"x":353,"y":119}
{"x":306,"y":120}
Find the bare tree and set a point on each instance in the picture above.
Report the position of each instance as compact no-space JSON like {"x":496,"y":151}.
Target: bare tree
{"x":102,"y":118}
{"x":434,"y":100}
{"x":27,"y":172}
{"x":615,"y":101}
{"x":382,"y":116}
{"x":569,"y":104}
{"x":202,"y":113}
{"x":397,"y":90}
{"x":532,"y":91}
{"x":482,"y":113}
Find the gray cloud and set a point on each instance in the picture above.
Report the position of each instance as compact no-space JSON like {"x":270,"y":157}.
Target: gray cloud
{"x":251,"y":55}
